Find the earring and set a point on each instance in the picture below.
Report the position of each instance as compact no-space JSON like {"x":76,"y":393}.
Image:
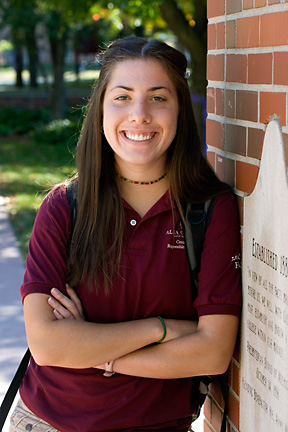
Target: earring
{"x":187,"y":74}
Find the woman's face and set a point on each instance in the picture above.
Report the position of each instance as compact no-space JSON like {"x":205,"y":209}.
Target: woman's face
{"x":140,"y":112}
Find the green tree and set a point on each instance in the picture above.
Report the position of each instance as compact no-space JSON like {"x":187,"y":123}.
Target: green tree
{"x":62,"y":20}
{"x":186,"y":19}
{"x":22,"y":17}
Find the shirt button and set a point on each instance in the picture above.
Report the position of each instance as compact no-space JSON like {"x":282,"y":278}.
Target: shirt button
{"x":133,"y":222}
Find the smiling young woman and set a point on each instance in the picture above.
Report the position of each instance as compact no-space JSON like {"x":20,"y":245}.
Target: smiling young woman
{"x":129,"y":313}
{"x":140,"y":117}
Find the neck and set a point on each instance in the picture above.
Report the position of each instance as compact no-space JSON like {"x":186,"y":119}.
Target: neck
{"x":142,"y":196}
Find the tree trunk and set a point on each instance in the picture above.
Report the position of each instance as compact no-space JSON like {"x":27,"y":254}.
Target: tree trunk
{"x":18,"y":57}
{"x":32,"y":50}
{"x":58,"y":40}
{"x":194,"y":39}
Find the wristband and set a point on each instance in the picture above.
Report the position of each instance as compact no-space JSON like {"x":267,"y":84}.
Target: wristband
{"x":109,"y":369}
{"x":164,"y":329}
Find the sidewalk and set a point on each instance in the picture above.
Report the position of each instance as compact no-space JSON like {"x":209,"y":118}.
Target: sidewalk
{"x":12,"y":333}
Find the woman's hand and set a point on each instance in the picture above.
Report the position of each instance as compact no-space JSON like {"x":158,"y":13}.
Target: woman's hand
{"x":65,"y":307}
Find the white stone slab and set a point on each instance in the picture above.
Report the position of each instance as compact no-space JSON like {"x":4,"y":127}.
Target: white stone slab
{"x":264,"y":333}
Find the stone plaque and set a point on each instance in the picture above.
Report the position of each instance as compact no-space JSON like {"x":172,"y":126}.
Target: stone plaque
{"x":264,"y":332}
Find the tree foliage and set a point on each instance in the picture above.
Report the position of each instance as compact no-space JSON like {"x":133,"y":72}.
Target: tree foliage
{"x":185,"y":20}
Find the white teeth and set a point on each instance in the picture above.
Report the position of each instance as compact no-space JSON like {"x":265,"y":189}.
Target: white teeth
{"x":140,"y":137}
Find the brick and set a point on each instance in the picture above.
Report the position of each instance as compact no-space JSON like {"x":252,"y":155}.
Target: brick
{"x":230,"y":375}
{"x":220,"y":167}
{"x":215,"y":8}
{"x":260,"y":68}
{"x":255,"y":143}
{"x":281,"y":68}
{"x":236,"y":68}
{"x":231,"y":34}
{"x":271,"y":2}
{"x":247,"y":105}
{"x":273,"y":103}
{"x":247,"y":4}
{"x":240,"y":203}
{"x":211,"y":159}
{"x":248,"y":32}
{"x":233,"y":410}
{"x":225,"y":170}
{"x":236,"y":353}
{"x":215,"y":67}
{"x":215,"y":134}
{"x":246,"y":176}
{"x":207,"y":428}
{"x":235,"y":139}
{"x":233,"y":6}
{"x":230,"y":103}
{"x":211,"y":99}
{"x":211,"y":37}
{"x":235,"y":378}
{"x":260,"y":3}
{"x":219,"y":102}
{"x":229,"y":174}
{"x":221,"y":35}
{"x":274,"y":29}
{"x":216,"y":394}
{"x":216,"y":417}
{"x":208,"y":409}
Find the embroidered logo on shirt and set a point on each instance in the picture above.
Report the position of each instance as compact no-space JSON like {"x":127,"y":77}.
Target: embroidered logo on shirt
{"x":177,"y":241}
{"x":237,"y":260}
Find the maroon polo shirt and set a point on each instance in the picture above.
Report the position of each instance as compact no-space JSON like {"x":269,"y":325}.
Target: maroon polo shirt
{"x":154,"y":280}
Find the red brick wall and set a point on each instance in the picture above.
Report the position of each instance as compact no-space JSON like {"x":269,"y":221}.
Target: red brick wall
{"x":247,"y":72}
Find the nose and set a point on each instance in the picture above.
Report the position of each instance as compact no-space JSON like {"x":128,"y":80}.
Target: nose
{"x":140,"y":113}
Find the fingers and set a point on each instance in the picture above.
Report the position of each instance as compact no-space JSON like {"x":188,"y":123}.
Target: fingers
{"x":59,"y":311}
{"x":65,"y":307}
{"x":73,"y":296}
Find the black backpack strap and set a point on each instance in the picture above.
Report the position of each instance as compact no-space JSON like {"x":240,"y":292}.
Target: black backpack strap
{"x":223,"y":382}
{"x":13,"y":388}
{"x":198,"y":217}
{"x":71,"y":192}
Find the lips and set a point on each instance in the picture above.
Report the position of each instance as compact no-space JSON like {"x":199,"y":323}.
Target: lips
{"x":139,"y":136}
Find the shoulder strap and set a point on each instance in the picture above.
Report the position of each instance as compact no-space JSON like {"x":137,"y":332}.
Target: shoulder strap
{"x":13,"y":388}
{"x":198,"y":217}
{"x":71,"y":191}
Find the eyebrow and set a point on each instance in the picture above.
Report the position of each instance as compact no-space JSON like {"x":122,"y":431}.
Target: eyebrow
{"x":152,"y":89}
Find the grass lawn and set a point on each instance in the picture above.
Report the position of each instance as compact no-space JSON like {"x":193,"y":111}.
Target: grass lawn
{"x":27,"y":171}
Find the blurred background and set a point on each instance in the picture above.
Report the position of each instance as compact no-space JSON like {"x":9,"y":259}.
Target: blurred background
{"x":48,"y":64}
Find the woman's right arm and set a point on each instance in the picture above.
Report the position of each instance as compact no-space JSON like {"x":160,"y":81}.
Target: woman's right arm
{"x":75,"y":343}
{"x":80,"y":344}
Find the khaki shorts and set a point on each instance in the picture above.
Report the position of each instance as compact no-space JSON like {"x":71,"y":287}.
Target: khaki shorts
{"x":23,"y":420}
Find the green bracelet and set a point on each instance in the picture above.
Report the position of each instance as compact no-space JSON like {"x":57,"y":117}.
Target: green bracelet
{"x":164,"y":329}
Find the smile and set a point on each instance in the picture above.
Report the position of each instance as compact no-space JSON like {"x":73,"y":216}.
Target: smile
{"x":139,"y":137}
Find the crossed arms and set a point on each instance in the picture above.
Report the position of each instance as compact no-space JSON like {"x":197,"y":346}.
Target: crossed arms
{"x":59,"y":336}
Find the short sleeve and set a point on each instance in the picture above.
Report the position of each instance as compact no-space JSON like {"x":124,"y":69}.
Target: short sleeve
{"x":46,"y":261}
{"x":219,"y":288}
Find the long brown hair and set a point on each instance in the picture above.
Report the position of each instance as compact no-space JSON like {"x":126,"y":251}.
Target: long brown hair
{"x":97,"y":237}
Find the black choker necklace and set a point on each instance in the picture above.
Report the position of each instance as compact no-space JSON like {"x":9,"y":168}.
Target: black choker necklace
{"x":141,"y":182}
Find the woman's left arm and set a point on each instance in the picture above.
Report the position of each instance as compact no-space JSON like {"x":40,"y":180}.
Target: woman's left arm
{"x":206,"y":352}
